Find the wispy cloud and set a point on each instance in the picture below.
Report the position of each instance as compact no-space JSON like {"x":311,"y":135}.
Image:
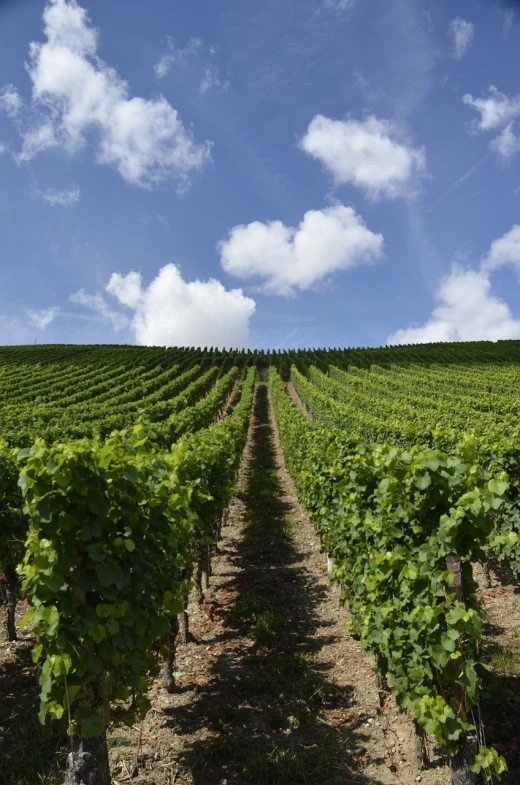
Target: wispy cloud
{"x":339,"y":5}
{"x":42,"y":319}
{"x":65,"y":198}
{"x":192,"y":54}
{"x":461,"y":34}
{"x":212,"y":79}
{"x":509,"y":17}
{"x":98,"y":304}
{"x":177,"y":55}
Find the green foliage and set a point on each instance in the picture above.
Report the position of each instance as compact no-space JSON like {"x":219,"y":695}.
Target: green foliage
{"x":390,"y":516}
{"x":13,"y":524}
{"x":111,"y":532}
{"x":114,"y":527}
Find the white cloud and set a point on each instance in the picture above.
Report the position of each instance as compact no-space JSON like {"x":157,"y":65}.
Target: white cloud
{"x":468,"y":311}
{"x":98,"y":304}
{"x":75,"y":94}
{"x":497,"y":112}
{"x":461,"y":33}
{"x":211,"y":79}
{"x":365,"y":153}
{"x":172,"y":312}
{"x":290,"y":258}
{"x":506,"y":144}
{"x":175,"y":55}
{"x":42,"y":319}
{"x":504,"y":251}
{"x":10,"y":101}
{"x":496,"y":109}
{"x":64,"y":198}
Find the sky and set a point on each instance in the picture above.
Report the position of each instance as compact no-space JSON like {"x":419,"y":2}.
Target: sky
{"x":259,"y":173}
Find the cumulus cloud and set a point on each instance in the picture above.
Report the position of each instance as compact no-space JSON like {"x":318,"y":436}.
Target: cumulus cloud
{"x":498,"y":112}
{"x":461,"y":34}
{"x":366,"y":153}
{"x":97,"y":303}
{"x":42,"y":319}
{"x":173,"y":312}
{"x":288,"y":258}
{"x":77,"y":98}
{"x":64,"y":198}
{"x":468,"y":310}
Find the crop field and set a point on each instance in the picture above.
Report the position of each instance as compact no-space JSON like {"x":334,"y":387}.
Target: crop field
{"x":260,"y":568}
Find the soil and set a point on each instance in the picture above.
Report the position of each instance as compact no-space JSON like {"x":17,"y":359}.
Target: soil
{"x":241,"y":712}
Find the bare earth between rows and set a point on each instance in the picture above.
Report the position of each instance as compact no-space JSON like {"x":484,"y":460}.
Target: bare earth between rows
{"x":240,"y":714}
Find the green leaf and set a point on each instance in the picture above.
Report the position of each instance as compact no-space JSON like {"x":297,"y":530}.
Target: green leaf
{"x":98,"y":633}
{"x":91,"y":725}
{"x":108,"y":573}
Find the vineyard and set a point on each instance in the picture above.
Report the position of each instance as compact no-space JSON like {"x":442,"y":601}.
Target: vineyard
{"x":134,"y":481}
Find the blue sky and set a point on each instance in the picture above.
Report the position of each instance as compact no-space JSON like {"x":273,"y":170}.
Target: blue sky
{"x":263,"y":173}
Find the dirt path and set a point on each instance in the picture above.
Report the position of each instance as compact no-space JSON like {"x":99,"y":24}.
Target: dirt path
{"x":271,"y":690}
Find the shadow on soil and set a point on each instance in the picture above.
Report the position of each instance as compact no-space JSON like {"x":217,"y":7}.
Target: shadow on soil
{"x":30,"y":754}
{"x":266,"y":702}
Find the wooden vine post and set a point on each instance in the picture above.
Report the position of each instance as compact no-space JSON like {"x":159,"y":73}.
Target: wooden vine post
{"x":459,"y":763}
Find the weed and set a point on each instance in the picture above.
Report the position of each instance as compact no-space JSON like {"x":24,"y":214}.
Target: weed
{"x":266,"y":626}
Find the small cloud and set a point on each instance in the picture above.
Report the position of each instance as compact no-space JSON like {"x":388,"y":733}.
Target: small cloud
{"x":496,"y":109}
{"x":175,"y":55}
{"x":367,"y":153}
{"x":61,"y":198}
{"x":498,"y":112}
{"x":10,"y":101}
{"x":42,"y":319}
{"x":212,"y":79}
{"x":461,"y":33}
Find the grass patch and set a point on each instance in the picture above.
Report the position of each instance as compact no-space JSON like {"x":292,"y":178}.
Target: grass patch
{"x":505,"y":658}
